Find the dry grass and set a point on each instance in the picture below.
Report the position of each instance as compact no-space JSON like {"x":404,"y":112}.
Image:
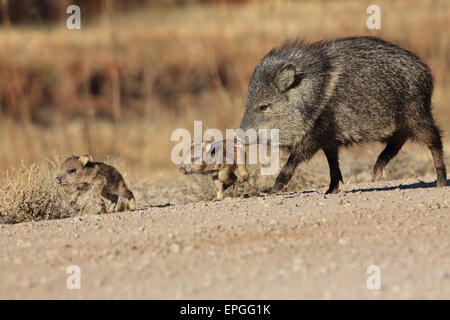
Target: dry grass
{"x":30,"y":194}
{"x":121,"y":85}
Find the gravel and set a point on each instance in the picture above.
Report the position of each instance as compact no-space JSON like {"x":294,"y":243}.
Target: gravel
{"x":297,"y":245}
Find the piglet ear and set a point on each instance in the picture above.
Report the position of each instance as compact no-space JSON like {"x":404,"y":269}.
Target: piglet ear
{"x":285,"y":77}
{"x":85,"y":158}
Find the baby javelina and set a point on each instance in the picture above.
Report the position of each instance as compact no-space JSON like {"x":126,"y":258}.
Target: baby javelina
{"x":104,"y":180}
{"x":215,"y":162}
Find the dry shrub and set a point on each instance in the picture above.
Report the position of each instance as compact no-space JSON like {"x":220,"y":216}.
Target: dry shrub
{"x":30,"y":194}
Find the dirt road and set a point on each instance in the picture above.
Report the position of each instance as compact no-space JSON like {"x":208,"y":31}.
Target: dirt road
{"x":298,"y":245}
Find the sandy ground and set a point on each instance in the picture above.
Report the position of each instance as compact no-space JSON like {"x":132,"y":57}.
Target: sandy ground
{"x":291,"y":245}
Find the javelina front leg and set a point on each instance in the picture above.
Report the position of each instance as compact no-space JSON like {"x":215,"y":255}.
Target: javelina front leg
{"x":226,"y":176}
{"x":74,"y":198}
{"x":98,"y":199}
{"x":286,"y":172}
{"x":332,"y":155}
{"x":79,"y":191}
{"x":301,"y":153}
{"x":219,"y":186}
{"x":100,"y":203}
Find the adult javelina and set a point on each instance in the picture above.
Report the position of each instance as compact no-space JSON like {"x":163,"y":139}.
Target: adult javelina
{"x":336,"y":93}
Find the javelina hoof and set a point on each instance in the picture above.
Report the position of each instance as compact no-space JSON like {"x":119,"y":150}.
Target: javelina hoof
{"x":378,"y":172}
{"x":111,"y":208}
{"x":276,"y":188}
{"x":332,"y":191}
{"x":122,"y":207}
{"x":131,"y":206}
{"x":441,"y":183}
{"x":441,"y":177}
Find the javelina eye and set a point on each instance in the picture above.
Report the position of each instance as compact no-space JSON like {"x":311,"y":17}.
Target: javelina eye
{"x":71,"y":171}
{"x":263,"y":107}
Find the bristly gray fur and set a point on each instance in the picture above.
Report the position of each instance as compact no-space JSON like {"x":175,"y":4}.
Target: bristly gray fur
{"x":329,"y":94}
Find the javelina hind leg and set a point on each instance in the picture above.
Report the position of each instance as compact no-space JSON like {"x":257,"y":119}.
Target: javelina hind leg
{"x":332,"y":155}
{"x":393,"y":146}
{"x":127,"y":194}
{"x":219,"y":186}
{"x":430,"y":135}
{"x":99,"y":200}
{"x":441,"y":171}
{"x":435,"y":145}
{"x":111,"y":197}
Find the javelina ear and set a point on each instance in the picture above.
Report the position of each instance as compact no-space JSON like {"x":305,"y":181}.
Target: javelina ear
{"x":285,"y":77}
{"x":85,"y":158}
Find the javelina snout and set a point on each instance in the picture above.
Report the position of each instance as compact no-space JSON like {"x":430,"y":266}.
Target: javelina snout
{"x":337,"y":93}
{"x":188,"y":169}
{"x":194,"y":163}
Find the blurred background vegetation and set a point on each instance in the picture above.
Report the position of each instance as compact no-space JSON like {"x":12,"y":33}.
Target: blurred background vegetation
{"x":138,"y":69}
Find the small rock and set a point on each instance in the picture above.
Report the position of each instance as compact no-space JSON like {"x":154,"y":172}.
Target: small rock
{"x":175,"y":248}
{"x":266,"y":250}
